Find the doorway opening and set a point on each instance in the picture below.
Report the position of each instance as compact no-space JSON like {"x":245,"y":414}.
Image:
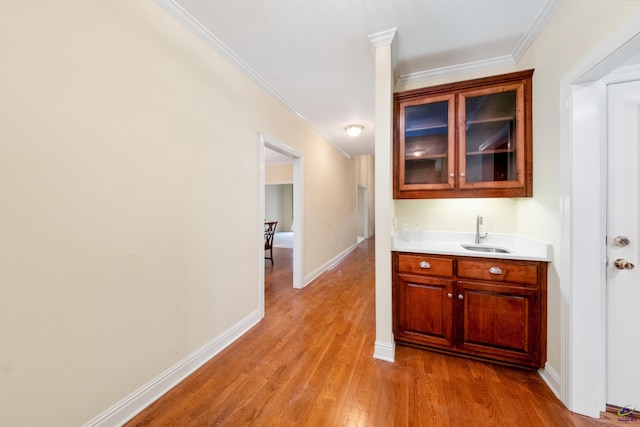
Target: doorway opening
{"x":279,"y":207}
{"x":583,"y":387}
{"x":297,"y":218}
{"x":363,"y":213}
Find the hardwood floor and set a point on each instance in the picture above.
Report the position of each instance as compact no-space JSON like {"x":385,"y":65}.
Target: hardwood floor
{"x":309,"y":363}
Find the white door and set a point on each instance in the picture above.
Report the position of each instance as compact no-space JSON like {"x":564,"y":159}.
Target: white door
{"x":623,"y":242}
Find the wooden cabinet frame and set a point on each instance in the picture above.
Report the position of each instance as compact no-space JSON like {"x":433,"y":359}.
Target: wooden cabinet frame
{"x":457,"y":185}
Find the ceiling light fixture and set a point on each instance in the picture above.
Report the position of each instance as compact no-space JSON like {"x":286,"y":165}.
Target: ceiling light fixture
{"x":354,"y":130}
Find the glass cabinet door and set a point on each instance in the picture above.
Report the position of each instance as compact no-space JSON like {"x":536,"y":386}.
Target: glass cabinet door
{"x":426,"y":149}
{"x":491,"y":137}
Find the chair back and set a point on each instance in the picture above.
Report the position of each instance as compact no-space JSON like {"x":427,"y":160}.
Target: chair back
{"x":269,"y":231}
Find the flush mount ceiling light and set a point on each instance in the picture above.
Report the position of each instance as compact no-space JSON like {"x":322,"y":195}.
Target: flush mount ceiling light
{"x":354,"y":130}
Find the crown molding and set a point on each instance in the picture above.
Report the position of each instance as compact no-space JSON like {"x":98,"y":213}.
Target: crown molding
{"x":536,"y":27}
{"x":502,"y":61}
{"x":193,"y":25}
{"x":383,"y":37}
{"x":485,"y":64}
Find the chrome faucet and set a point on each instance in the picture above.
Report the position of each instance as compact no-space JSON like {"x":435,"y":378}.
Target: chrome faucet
{"x":478,"y":235}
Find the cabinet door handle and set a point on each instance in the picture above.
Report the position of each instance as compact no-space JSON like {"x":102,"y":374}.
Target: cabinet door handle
{"x":450,"y":295}
{"x":425,"y":264}
{"x":495,"y":270}
{"x":462,"y":174}
{"x":452,"y":175}
{"x":460,"y":296}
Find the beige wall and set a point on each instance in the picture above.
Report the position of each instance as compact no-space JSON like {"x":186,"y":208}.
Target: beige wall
{"x":278,"y":205}
{"x":278,"y":174}
{"x":122,"y":139}
{"x":577,"y":28}
{"x":499,"y":215}
{"x":329,"y":192}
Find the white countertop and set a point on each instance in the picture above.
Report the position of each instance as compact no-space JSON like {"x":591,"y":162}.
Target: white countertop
{"x":450,"y":243}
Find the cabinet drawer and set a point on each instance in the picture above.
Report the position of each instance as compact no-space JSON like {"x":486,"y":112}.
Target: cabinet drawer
{"x":521,"y":272}
{"x":426,"y":264}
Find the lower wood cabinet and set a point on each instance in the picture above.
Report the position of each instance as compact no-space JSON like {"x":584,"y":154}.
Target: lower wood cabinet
{"x":425,"y":312}
{"x":484,"y":308}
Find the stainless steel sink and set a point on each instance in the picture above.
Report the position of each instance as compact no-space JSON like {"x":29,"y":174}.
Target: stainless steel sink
{"x":485,"y":248}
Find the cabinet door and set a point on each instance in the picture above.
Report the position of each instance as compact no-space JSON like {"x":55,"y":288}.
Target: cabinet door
{"x":425,"y":154}
{"x":492,"y":132}
{"x":498,"y":320}
{"x":424,"y":310}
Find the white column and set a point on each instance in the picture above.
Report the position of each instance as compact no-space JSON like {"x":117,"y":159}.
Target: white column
{"x":384,"y":82}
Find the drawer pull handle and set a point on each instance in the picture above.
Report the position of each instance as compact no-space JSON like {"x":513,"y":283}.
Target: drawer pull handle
{"x":425,"y":264}
{"x":495,"y":270}
{"x":450,"y":295}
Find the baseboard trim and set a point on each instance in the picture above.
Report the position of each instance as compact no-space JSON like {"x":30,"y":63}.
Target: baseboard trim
{"x":133,"y":404}
{"x":551,"y":377}
{"x":385,"y":351}
{"x":328,"y":265}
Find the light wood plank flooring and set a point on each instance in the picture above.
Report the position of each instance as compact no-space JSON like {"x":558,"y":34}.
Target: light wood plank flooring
{"x":309,"y":363}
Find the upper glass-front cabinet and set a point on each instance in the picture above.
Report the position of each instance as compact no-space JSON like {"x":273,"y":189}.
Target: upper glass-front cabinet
{"x":428,"y":146}
{"x":467,"y":139}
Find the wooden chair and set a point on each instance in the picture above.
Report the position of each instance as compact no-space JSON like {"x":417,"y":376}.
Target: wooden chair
{"x":269,"y":231}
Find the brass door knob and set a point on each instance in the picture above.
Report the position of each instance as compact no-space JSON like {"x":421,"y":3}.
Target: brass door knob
{"x":623,"y":264}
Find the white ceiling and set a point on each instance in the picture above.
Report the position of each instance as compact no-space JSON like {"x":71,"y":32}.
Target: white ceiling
{"x":316,"y":58}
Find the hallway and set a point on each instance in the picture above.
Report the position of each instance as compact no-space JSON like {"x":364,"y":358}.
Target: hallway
{"x":309,"y":363}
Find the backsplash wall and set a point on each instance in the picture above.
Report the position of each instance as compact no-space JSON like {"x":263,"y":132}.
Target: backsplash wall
{"x":499,"y":215}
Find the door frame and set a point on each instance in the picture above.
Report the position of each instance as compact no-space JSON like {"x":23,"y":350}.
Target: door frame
{"x":266,"y":141}
{"x":583,"y":220}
